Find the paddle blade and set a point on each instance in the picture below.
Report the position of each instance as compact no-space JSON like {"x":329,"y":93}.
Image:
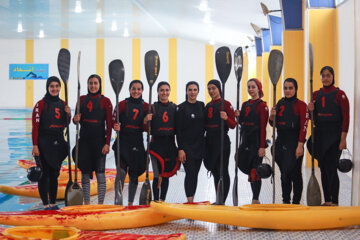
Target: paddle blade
{"x":116,"y":73}
{"x":118,"y":193}
{"x":152,"y":66}
{"x":220,"y":192}
{"x":223,"y":63}
{"x":74,"y":195}
{"x":238,"y":63}
{"x":311,"y":59}
{"x":63,"y":62}
{"x":275,"y":65}
{"x":235,"y":192}
{"x":313,"y":193}
{"x":145,"y":193}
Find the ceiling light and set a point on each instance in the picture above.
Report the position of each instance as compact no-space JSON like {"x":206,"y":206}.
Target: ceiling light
{"x":212,"y":42}
{"x":265,"y":9}
{"x":19,"y":27}
{"x":126,"y":32}
{"x":207,"y":18}
{"x":78,"y":8}
{"x":98,"y":18}
{"x":41,"y":34}
{"x":114,"y":26}
{"x":204,"y":6}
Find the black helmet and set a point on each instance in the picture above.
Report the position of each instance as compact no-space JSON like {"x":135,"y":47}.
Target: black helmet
{"x":264,"y":170}
{"x":345,"y":165}
{"x":34,"y":174}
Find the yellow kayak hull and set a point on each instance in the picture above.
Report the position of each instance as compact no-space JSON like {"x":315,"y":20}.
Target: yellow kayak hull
{"x":42,"y":232}
{"x":267,"y":216}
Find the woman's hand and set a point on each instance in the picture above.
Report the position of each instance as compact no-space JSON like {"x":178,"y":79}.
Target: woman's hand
{"x":342,"y":144}
{"x":261,"y":152}
{"x":68,"y":110}
{"x":273,"y":112}
{"x":299,"y":150}
{"x":182,"y":156}
{"x":117,"y":126}
{"x":148,"y":118}
{"x":311,"y":106}
{"x":76,"y":118}
{"x":35,"y":151}
{"x":105,"y":149}
{"x":237,"y":113}
{"x":223,"y":115}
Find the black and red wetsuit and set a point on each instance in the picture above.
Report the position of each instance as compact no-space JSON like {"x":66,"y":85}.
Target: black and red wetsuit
{"x":132,"y":152}
{"x":253,"y":119}
{"x":212,"y":141}
{"x":48,"y":121}
{"x":95,"y":132}
{"x":331,"y":115}
{"x":291,"y":125}
{"x":162,"y":146}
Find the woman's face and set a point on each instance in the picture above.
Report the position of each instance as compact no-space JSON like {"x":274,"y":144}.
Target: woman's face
{"x":164,"y":92}
{"x":289,"y":89}
{"x":213,"y":91}
{"x":326,"y":78}
{"x":93,"y":85}
{"x":136,"y":90}
{"x":54,"y":89}
{"x":192,"y":92}
{"x":253,"y":90}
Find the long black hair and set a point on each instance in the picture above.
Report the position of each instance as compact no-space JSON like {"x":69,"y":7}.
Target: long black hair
{"x":187,"y":85}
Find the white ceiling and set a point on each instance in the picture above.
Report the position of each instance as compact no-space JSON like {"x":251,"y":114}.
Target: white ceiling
{"x":211,"y":21}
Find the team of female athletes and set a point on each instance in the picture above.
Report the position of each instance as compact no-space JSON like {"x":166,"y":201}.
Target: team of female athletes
{"x":197,"y":131}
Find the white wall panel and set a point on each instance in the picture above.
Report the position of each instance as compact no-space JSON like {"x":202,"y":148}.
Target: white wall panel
{"x":12,"y":92}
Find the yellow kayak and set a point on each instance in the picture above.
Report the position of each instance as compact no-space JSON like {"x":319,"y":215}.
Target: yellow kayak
{"x":31,"y":190}
{"x":59,"y":232}
{"x":266,"y":216}
{"x":89,"y":217}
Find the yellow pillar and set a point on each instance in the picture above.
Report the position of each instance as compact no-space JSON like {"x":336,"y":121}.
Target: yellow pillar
{"x":209,"y":68}
{"x":259,"y":68}
{"x":136,"y":73}
{"x":100,"y":61}
{"x":29,"y":84}
{"x":173,"y":69}
{"x":64,"y":43}
{"x":265,"y":78}
{"x":245,"y":78}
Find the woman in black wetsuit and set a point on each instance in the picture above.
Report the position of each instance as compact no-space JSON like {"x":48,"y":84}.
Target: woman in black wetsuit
{"x":163,"y":150}
{"x":213,"y":115}
{"x":190,"y":129}
{"x":331,"y":115}
{"x":49,"y":118}
{"x":95,"y":133}
{"x":132,"y":111}
{"x":291,"y":125}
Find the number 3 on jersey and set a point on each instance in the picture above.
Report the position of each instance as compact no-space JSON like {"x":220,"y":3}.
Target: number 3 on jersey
{"x":165,"y":117}
{"x":90,"y":106}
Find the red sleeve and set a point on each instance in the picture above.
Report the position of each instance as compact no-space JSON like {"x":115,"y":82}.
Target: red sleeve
{"x":121,"y":108}
{"x":315,"y":94}
{"x":106,"y":104}
{"x":300,"y":109}
{"x":263,"y":112}
{"x":343,"y":102}
{"x":82,"y":98}
{"x":230,"y":113}
{"x":37,"y":112}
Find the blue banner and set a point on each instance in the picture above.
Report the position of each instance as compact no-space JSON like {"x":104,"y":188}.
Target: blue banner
{"x":28,"y":71}
{"x":276,"y":30}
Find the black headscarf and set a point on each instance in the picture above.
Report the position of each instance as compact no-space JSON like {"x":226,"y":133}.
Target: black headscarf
{"x":188,"y":84}
{"x":293,"y":81}
{"x":331,"y":70}
{"x":216,"y":83}
{"x":48,"y":95}
{"x":99,"y":79}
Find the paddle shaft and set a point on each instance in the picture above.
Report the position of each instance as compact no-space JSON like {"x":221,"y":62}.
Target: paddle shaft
{"x":148,"y":137}
{"x":273,"y":146}
{"x":68,"y":134}
{"x":77,"y":132}
{"x":312,"y":129}
{"x":237,"y":130}
{"x":220,"y":187}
